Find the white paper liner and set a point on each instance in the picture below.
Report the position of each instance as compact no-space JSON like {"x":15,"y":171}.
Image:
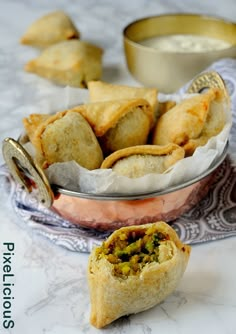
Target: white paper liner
{"x":72,"y":176}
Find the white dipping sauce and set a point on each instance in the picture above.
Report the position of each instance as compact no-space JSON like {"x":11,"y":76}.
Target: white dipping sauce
{"x":185,"y":43}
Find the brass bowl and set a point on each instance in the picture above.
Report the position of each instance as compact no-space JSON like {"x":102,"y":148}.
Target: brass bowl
{"x":168,"y":71}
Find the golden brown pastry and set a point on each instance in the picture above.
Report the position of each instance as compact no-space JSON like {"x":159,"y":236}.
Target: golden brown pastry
{"x":136,"y":268}
{"x":163,"y":107}
{"x":193,"y":121}
{"x":216,"y":119}
{"x":119,"y":123}
{"x":71,"y":63}
{"x":137,"y":161}
{"x":65,"y":136}
{"x":50,"y":29}
{"x":31,"y":124}
{"x":102,"y":91}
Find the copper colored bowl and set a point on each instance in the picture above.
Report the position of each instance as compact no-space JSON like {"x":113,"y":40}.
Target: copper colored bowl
{"x":112,"y":212}
{"x":108,"y":212}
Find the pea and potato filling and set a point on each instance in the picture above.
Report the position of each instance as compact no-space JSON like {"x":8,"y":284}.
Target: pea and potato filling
{"x":130,"y":251}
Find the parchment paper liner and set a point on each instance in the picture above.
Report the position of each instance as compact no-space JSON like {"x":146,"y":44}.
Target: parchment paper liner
{"x":70,"y":175}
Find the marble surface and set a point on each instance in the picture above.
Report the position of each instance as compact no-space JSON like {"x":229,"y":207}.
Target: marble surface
{"x":50,"y":288}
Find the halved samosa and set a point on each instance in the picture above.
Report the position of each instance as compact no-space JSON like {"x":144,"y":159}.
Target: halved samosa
{"x":66,"y":136}
{"x":102,"y":91}
{"x":137,"y":161}
{"x":71,"y":63}
{"x":50,"y":29}
{"x":119,"y":123}
{"x":136,"y":268}
{"x":193,"y":121}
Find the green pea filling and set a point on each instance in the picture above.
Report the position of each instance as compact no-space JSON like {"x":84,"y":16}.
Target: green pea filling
{"x":130,"y":251}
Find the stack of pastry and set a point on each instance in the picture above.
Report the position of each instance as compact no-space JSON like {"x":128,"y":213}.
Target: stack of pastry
{"x":120,"y":129}
{"x":65,"y":59}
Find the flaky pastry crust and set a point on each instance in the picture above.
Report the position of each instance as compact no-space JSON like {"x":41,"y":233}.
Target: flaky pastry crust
{"x":112,"y":296}
{"x":73,"y":63}
{"x":50,"y":29}
{"x":193,"y":121}
{"x":103,"y":91}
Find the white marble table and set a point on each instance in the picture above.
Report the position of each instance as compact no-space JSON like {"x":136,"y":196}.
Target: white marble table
{"x":50,"y":287}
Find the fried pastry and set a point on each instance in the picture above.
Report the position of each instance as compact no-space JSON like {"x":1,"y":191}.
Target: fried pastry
{"x":102,"y":91}
{"x":119,"y":123}
{"x":65,"y":136}
{"x":215,"y":121}
{"x":193,"y":121}
{"x":137,"y":161}
{"x":50,"y":29}
{"x":71,"y":63}
{"x":136,"y":268}
{"x":163,"y":107}
{"x":32,"y":123}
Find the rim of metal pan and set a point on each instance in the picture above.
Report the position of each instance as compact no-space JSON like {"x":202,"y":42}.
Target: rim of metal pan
{"x":141,"y":196}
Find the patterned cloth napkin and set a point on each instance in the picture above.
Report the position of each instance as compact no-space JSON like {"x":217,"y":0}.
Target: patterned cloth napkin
{"x":213,"y":218}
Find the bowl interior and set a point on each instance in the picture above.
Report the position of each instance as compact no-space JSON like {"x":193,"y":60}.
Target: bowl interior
{"x":181,"y":24}
{"x":170,"y":70}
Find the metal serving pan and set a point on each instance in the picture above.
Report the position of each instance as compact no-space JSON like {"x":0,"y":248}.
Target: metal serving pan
{"x":109,"y":212}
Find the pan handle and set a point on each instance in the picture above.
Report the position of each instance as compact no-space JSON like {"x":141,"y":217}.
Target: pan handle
{"x":18,"y":160}
{"x":207,"y":80}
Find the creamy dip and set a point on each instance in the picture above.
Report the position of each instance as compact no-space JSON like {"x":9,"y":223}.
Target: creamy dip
{"x":185,"y":43}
